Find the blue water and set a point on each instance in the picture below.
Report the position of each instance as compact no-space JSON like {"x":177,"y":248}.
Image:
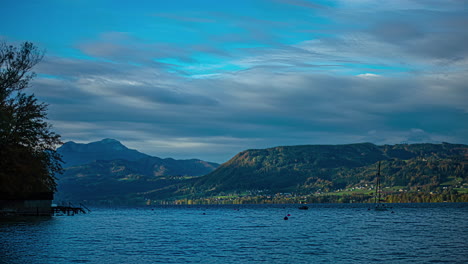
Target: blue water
{"x":326,"y":233}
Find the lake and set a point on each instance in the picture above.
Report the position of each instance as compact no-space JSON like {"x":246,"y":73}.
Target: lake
{"x":326,"y":233}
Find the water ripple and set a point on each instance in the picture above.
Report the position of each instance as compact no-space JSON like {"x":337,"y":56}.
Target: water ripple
{"x":254,"y":234}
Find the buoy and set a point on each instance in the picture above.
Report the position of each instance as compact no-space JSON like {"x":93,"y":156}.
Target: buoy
{"x":285,"y":218}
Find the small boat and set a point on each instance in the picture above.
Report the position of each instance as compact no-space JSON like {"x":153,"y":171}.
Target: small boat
{"x":304,"y":207}
{"x":378,"y":205}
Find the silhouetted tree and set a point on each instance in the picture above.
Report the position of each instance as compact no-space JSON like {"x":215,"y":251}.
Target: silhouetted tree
{"x":28,"y":160}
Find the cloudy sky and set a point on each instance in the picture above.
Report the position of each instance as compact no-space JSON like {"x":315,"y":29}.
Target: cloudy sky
{"x":207,"y":79}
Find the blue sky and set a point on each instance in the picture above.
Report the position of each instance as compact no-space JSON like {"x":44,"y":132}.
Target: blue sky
{"x":207,"y":79}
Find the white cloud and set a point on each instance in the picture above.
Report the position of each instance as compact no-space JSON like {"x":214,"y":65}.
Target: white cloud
{"x":356,"y":82}
{"x":367,"y":75}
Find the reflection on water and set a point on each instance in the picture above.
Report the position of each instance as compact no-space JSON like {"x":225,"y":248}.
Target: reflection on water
{"x":417,"y":233}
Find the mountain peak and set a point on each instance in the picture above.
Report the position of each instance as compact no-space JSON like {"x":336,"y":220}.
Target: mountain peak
{"x":109,"y":141}
{"x":111,"y":144}
{"x":105,"y":149}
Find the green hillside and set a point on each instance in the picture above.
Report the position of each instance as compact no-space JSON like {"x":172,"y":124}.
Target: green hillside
{"x":332,"y":170}
{"x":308,"y":173}
{"x":121,"y":180}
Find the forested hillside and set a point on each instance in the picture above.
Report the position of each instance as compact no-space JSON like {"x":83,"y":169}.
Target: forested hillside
{"x":334,"y":170}
{"x":107,"y":170}
{"x":308,"y":173}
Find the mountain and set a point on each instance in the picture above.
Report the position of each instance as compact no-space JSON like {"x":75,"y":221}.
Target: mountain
{"x":322,"y":169}
{"x":106,"y":149}
{"x":283,"y":168}
{"x":415,"y":172}
{"x":286,"y":168}
{"x":107,"y":170}
{"x":116,"y":179}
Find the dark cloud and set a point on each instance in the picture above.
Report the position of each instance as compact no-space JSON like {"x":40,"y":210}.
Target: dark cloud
{"x":431,"y":31}
{"x":398,"y":74}
{"x":71,"y":68}
{"x":250,"y":108}
{"x":443,"y":46}
{"x":123,"y":47}
{"x":397,"y":32}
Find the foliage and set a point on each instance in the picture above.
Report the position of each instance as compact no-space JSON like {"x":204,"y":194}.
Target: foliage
{"x":116,"y":178}
{"x":341,"y":173}
{"x":28,"y":160}
{"x":325,"y":168}
{"x":294,"y":174}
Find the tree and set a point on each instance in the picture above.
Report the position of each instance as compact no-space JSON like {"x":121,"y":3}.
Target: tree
{"x":28,"y":157}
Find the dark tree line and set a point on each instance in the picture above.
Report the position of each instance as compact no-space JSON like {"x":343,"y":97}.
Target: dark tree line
{"x":28,"y":160}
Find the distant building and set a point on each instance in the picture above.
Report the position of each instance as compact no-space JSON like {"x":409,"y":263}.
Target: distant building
{"x":35,"y":204}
